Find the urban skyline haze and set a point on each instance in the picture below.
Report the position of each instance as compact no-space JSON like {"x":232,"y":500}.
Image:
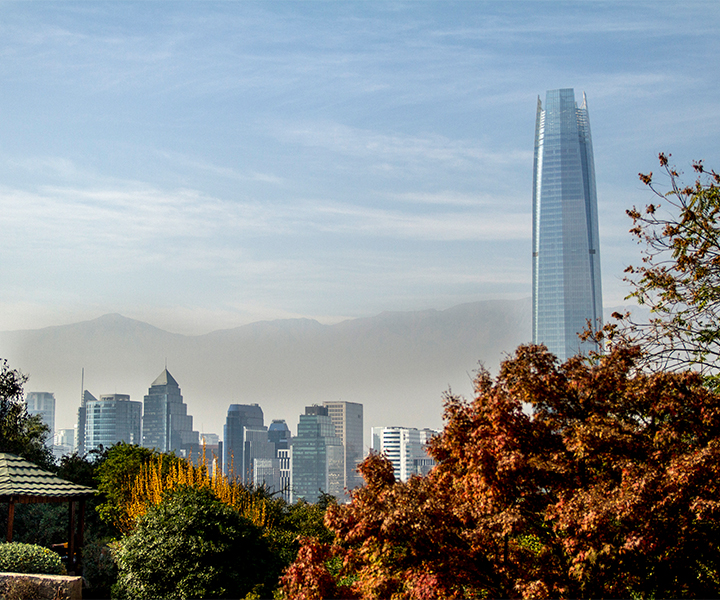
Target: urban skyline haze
{"x":200,"y":166}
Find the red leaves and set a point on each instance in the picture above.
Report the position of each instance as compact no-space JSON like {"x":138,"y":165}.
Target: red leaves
{"x":610,"y":488}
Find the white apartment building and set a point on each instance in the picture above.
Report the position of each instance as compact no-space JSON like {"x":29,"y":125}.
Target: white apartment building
{"x":406,"y":447}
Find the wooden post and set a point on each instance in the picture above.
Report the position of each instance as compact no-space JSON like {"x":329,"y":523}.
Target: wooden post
{"x":80,"y":537}
{"x":11,"y":517}
{"x":71,"y":540}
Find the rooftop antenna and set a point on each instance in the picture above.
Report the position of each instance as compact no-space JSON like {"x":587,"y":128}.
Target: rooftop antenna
{"x":82,"y":387}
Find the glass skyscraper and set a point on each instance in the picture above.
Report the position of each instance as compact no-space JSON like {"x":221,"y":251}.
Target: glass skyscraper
{"x":566,"y":255}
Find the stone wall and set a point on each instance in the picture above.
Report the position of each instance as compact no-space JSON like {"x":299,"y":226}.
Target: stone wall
{"x":24,"y":586}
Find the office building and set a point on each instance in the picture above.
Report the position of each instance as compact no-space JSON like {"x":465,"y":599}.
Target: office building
{"x":85,"y":397}
{"x":166,"y":425}
{"x":566,"y":255}
{"x":211,"y":445}
{"x":347,"y":418}
{"x":111,"y":419}
{"x":406,"y":448}
{"x":64,"y":443}
{"x":43,"y":405}
{"x":317,"y":457}
{"x":279,"y":435}
{"x":274,"y":473}
{"x":245,"y":438}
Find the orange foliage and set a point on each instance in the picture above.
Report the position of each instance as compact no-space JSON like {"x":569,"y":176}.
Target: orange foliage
{"x":151,"y":483}
{"x":572,"y":480}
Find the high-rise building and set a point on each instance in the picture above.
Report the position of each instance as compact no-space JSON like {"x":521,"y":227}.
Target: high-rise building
{"x":566,"y":255}
{"x":85,"y":397}
{"x":279,"y":435}
{"x":244,"y":431}
{"x":347,"y":417}
{"x":166,"y":425}
{"x":406,"y":448}
{"x":316,"y":457}
{"x":43,"y":405}
{"x":64,"y":442}
{"x":274,"y":471}
{"x":111,"y":419}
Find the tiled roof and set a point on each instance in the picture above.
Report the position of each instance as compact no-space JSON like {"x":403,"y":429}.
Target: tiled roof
{"x":19,"y":477}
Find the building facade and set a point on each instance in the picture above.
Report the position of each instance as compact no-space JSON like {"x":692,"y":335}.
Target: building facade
{"x":317,"y":457}
{"x":347,"y":418}
{"x":166,"y":425}
{"x":244,"y":424}
{"x":111,"y":419}
{"x":43,"y":405}
{"x":406,"y":448}
{"x":567,"y":289}
{"x":64,"y":442}
{"x":274,"y":472}
{"x":85,"y":397}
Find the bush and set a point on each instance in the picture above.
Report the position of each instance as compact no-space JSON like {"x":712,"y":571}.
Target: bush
{"x":99,"y":569}
{"x":193,"y":546}
{"x":29,"y":558}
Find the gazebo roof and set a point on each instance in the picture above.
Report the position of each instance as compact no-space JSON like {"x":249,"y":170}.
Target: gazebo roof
{"x":23,"y":481}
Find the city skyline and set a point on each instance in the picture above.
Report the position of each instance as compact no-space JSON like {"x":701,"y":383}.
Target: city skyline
{"x":203,"y":166}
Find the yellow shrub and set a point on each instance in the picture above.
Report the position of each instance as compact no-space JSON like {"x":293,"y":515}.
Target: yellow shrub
{"x":149,"y":485}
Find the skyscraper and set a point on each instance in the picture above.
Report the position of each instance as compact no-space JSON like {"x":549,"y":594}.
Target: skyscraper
{"x":81,"y":420}
{"x":166,"y":425}
{"x":43,"y":404}
{"x":566,"y":255}
{"x":317,"y":457}
{"x":245,"y":438}
{"x":111,"y":419}
{"x":347,"y":417}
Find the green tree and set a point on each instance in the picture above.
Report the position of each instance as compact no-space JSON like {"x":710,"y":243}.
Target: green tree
{"x":117,"y":468}
{"x":193,"y":546}
{"x":20,"y":433}
{"x":606,"y":487}
{"x":679,"y":277}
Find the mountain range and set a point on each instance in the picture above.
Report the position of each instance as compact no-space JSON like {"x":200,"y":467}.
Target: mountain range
{"x":397,"y":364}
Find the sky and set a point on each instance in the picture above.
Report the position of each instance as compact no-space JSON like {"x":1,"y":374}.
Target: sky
{"x":202,"y":165}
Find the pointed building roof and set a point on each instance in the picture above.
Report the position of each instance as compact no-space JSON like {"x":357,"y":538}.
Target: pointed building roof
{"x":26,"y":482}
{"x":165,"y":379}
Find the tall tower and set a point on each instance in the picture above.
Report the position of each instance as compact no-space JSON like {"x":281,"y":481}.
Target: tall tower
{"x":566,"y":255}
{"x":347,"y":417}
{"x":43,"y":404}
{"x":244,"y":439}
{"x":166,"y":425}
{"x":317,"y":457}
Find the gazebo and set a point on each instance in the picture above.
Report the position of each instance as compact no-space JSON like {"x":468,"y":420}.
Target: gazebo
{"x":25,"y":483}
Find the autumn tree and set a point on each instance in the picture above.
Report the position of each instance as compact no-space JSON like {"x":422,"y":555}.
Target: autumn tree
{"x":556,"y":480}
{"x":679,"y":276}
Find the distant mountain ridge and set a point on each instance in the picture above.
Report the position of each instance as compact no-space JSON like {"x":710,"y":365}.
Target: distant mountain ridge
{"x":396,"y":363}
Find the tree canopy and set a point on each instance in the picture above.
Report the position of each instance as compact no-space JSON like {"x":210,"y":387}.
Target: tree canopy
{"x":21,"y":433}
{"x":193,"y":546}
{"x":556,"y":480}
{"x":679,"y":277}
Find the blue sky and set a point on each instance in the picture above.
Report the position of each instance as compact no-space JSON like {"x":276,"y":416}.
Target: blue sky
{"x":203,"y":165}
